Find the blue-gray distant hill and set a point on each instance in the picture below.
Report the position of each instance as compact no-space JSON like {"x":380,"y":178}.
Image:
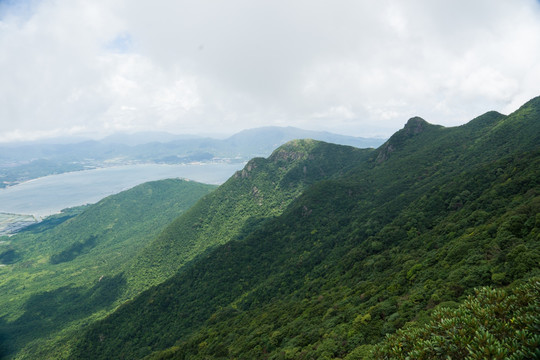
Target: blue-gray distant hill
{"x":28,"y":160}
{"x":164,"y":147}
{"x":265,"y":139}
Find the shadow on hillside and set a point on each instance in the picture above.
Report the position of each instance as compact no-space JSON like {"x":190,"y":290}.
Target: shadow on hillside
{"x":249,"y":226}
{"x":74,"y":250}
{"x":46,"y":224}
{"x":9,"y":256}
{"x":3,"y":345}
{"x":50,"y":311}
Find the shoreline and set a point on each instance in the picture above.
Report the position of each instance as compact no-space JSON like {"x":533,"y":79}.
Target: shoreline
{"x":101,"y":167}
{"x":49,"y":195}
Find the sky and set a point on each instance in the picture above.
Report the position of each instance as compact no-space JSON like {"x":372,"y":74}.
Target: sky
{"x":354,"y":67}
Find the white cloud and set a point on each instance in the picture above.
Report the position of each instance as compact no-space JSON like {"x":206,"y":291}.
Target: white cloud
{"x":355,"y":67}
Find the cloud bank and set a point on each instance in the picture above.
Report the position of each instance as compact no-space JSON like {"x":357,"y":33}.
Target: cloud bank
{"x":73,"y":67}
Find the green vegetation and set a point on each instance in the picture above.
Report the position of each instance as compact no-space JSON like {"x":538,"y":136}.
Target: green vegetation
{"x":418,"y":224}
{"x":69,"y":268}
{"x":319,"y":252}
{"x":492,"y":324}
{"x":261,"y":191}
{"x":119,"y":247}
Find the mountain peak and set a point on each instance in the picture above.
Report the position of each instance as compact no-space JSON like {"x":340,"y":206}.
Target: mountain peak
{"x":485,"y":121}
{"x":415,"y":125}
{"x":294,"y":150}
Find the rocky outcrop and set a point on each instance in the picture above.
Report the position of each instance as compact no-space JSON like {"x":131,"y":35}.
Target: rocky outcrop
{"x":413,"y":127}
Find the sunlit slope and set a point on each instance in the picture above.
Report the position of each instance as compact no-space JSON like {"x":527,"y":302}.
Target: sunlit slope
{"x":431,"y":215}
{"x":69,"y":267}
{"x":261,"y":191}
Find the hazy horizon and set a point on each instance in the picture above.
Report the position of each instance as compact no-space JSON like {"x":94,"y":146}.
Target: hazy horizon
{"x":97,"y":137}
{"x":360,"y":68}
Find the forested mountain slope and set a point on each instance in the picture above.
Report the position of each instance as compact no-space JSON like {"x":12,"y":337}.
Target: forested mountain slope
{"x":431,"y":215}
{"x":69,"y":267}
{"x":114,"y":248}
{"x":262,"y":190}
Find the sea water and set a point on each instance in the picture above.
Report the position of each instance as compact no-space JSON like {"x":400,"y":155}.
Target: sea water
{"x":50,"y":194}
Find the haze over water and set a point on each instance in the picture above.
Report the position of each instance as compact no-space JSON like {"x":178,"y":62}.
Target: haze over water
{"x":51,"y":194}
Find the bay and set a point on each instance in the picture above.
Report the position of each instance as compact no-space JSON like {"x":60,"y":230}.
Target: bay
{"x":50,"y":194}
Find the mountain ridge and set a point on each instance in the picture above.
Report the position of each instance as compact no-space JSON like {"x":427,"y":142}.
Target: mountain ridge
{"x":261,"y":190}
{"x":354,"y":257}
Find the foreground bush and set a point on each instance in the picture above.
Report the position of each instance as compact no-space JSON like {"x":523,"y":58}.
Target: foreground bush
{"x":492,"y":324}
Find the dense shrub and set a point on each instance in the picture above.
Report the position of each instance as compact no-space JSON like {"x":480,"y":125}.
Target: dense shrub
{"x":492,"y":324}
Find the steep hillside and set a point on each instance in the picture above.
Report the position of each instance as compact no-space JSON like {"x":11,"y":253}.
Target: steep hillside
{"x":431,"y":215}
{"x":69,"y":267}
{"x":103,"y":244}
{"x":262,"y":190}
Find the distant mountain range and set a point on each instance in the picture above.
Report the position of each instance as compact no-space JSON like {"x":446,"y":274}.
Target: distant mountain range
{"x":25,"y":161}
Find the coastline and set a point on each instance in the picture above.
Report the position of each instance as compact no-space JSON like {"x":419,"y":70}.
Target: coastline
{"x":48,"y":195}
{"x":101,"y":167}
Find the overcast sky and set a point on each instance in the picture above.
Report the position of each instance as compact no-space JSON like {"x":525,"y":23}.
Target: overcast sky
{"x":94,"y":67}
